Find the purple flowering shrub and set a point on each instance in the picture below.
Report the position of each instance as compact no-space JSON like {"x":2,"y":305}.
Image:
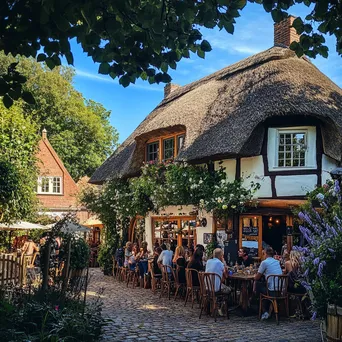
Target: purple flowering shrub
{"x":322,"y":256}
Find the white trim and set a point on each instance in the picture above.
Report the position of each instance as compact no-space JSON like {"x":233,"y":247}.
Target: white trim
{"x":50,"y":191}
{"x":273,"y":144}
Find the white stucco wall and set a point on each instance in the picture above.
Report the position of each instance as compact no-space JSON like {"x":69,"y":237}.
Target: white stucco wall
{"x":230,"y":168}
{"x":252,"y":169}
{"x":328,"y":164}
{"x":297,"y":185}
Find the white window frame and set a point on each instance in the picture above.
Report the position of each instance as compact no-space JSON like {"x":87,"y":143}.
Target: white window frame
{"x":50,"y":192}
{"x":273,"y":147}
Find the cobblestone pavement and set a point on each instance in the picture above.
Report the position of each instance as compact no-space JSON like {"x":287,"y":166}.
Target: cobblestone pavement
{"x":138,"y":315}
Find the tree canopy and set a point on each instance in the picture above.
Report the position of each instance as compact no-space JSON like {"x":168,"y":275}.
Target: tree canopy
{"x":78,"y":129}
{"x":18,"y":173}
{"x":134,"y":39}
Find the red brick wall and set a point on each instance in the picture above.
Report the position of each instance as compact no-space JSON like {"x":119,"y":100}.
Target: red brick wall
{"x":50,"y":165}
{"x":284,"y":34}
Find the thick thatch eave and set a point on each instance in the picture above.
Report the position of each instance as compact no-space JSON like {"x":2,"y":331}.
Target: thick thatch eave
{"x":222,"y":111}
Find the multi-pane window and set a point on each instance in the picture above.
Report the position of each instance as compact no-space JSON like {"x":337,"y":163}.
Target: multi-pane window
{"x":56,"y":185}
{"x":292,"y":149}
{"x":49,"y":185}
{"x":164,"y":148}
{"x":45,"y":184}
{"x":168,"y":148}
{"x":153,"y":151}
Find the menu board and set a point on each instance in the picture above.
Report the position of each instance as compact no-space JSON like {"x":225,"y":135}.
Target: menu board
{"x":250,"y":231}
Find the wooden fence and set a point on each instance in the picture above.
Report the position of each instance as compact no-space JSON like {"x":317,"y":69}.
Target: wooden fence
{"x":13,"y":269}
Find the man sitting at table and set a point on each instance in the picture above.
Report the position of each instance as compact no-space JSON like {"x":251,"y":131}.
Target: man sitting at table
{"x":267,"y":267}
{"x":216,"y":265}
{"x":245,"y":259}
{"x":165,"y":257}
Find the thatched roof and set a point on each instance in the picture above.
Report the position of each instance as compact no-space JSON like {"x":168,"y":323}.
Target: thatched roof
{"x":221,"y":112}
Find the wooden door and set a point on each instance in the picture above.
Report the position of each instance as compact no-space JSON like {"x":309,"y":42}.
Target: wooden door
{"x":250,"y":233}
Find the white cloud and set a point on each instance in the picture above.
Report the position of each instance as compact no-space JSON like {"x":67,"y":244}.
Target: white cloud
{"x":107,"y":79}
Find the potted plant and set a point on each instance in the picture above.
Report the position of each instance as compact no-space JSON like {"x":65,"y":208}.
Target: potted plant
{"x":322,"y":256}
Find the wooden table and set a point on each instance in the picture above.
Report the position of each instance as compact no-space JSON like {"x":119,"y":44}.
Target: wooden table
{"x":245,"y":280}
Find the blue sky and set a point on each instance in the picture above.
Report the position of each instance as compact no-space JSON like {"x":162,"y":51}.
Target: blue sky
{"x":129,"y":106}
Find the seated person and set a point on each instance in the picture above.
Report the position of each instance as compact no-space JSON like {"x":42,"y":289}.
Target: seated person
{"x":143,"y":259}
{"x":29,"y":247}
{"x":165,"y":257}
{"x":244,"y":258}
{"x":197,"y":264}
{"x":267,"y":267}
{"x":155,"y":266}
{"x":216,"y":265}
{"x":292,"y":268}
{"x":179,"y":260}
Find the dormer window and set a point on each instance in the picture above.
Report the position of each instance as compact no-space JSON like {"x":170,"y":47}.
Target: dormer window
{"x":291,"y":148}
{"x":164,"y":148}
{"x":49,"y":185}
{"x":153,"y":151}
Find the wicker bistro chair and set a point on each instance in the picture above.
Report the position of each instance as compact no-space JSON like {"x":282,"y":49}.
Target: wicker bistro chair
{"x":155,"y":278}
{"x":279,"y":283}
{"x":167,"y":281}
{"x":191,"y":290}
{"x":210,"y":297}
{"x":179,"y":287}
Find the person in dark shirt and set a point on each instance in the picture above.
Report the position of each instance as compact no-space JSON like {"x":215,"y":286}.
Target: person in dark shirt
{"x":244,"y":258}
{"x":197,"y":264}
{"x":156,"y":268}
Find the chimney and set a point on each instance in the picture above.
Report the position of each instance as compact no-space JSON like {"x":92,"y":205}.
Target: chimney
{"x":44,"y":134}
{"x":284,"y":33}
{"x":169,"y":88}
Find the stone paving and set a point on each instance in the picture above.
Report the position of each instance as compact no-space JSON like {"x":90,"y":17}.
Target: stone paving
{"x":138,"y":315}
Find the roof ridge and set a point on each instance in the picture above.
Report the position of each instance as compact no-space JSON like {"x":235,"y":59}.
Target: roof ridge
{"x":188,"y":87}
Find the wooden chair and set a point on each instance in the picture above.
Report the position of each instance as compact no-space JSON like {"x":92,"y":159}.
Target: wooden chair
{"x":132,"y":276}
{"x":279,"y":284}
{"x":155,"y":278}
{"x":191,"y":290}
{"x":210,"y":297}
{"x":301,"y":301}
{"x":178,"y":284}
{"x":168,"y":280}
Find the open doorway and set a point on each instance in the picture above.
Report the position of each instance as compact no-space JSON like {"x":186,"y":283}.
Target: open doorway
{"x":274,"y":231}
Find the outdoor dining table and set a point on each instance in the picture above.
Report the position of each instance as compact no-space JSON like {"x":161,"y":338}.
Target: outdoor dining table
{"x":245,"y":280}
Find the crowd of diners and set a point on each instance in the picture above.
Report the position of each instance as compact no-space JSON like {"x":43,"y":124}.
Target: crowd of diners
{"x":132,"y":257}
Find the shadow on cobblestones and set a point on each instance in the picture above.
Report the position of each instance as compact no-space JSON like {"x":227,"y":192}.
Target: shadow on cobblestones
{"x":138,"y":315}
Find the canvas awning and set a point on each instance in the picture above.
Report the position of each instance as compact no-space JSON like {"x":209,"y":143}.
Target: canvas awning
{"x":71,"y":227}
{"x":21,"y":225}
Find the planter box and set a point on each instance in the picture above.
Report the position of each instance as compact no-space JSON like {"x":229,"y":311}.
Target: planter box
{"x":334,"y":323}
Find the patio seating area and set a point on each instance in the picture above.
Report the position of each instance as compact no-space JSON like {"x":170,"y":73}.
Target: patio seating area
{"x":138,"y":314}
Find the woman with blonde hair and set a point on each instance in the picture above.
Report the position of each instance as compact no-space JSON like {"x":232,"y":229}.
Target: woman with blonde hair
{"x":179,"y":260}
{"x":292,"y":269}
{"x":293,"y":263}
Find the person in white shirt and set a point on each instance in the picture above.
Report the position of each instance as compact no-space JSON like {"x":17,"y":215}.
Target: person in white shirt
{"x":269,"y":266}
{"x":216,"y":265}
{"x":165,"y":257}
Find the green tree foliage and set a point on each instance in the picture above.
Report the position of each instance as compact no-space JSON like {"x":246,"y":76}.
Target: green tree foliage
{"x":139,"y":39}
{"x":78,"y":130}
{"x":18,"y":176}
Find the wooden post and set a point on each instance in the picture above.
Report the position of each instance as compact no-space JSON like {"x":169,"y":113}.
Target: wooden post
{"x":46,"y":263}
{"x":85,"y":290}
{"x":66,"y":267}
{"x":289,"y":238}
